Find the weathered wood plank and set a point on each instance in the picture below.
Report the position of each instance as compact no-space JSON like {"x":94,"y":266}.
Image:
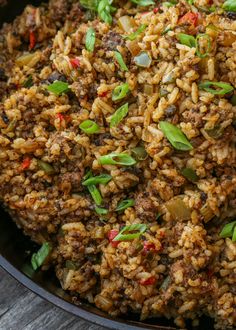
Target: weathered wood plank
{"x":22,"y":310}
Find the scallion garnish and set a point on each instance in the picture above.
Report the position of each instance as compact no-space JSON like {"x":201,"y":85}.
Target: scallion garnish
{"x":89,"y":4}
{"x":46,"y":167}
{"x":208,"y":48}
{"x":58,"y":87}
{"x":90,"y":39}
{"x":101,"y":210}
{"x":117,"y":159}
{"x":131,"y":232}
{"x":39,"y":257}
{"x":143,"y":3}
{"x":139,"y":153}
{"x":223,"y":88}
{"x":169,"y":4}
{"x":100,"y":179}
{"x":229,"y":230}
{"x":95,"y":193}
{"x":120,"y":114}
{"x":120,"y":92}
{"x":143,"y":60}
{"x":134,"y":35}
{"x":166,"y":30}
{"x":120,"y":61}
{"x":89,"y":127}
{"x":189,"y":174}
{"x":175,"y":136}
{"x":230,"y":5}
{"x":125,"y":204}
{"x":105,"y":9}
{"x":28,"y":82}
{"x":186,"y":39}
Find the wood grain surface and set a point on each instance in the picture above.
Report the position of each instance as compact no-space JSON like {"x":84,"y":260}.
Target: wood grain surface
{"x":20,"y":309}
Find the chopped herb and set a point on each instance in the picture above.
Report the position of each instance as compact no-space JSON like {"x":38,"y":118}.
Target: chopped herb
{"x":120,"y":61}
{"x":105,"y":10}
{"x":143,"y":59}
{"x":166,"y":30}
{"x":95,"y":193}
{"x":90,"y":39}
{"x":101,"y":210}
{"x":175,"y":136}
{"x":89,"y":127}
{"x":125,"y":204}
{"x":120,"y":92}
{"x":189,"y":174}
{"x":229,"y":230}
{"x":38,"y":258}
{"x":58,"y":87}
{"x":169,"y":4}
{"x":28,"y":82}
{"x":70,"y":265}
{"x":100,"y":179}
{"x":139,"y":153}
{"x":117,"y":159}
{"x":190,"y":2}
{"x":143,"y":3}
{"x":127,"y":233}
{"x":46,"y":167}
{"x":89,"y":4}
{"x":135,"y":34}
{"x":208,"y":40}
{"x":120,"y":114}
{"x":165,"y":283}
{"x":187,"y":40}
{"x":230,"y":5}
{"x":223,"y":88}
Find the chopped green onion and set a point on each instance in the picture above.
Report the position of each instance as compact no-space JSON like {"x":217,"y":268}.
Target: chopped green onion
{"x":89,"y":4}
{"x":189,"y":174}
{"x":229,"y":230}
{"x":125,"y":204}
{"x":208,"y":40}
{"x":233,"y":100}
{"x":89,"y":127}
{"x":28,"y":82}
{"x":139,"y":153}
{"x":158,"y":216}
{"x":120,"y":92}
{"x":117,"y":159}
{"x":38,"y":258}
{"x":166,"y":30}
{"x":90,"y":39}
{"x":186,"y":39}
{"x":95,"y":193}
{"x":120,"y":114}
{"x":138,"y":228}
{"x":190,"y":2}
{"x":165,"y":283}
{"x":88,"y":175}
{"x":58,"y":87}
{"x":224,"y":87}
{"x":46,"y":167}
{"x":143,"y":60}
{"x":169,"y":4}
{"x":175,"y":136}
{"x":101,"y":179}
{"x":135,"y":34}
{"x":120,"y":61}
{"x":70,"y":265}
{"x":230,"y":5}
{"x":105,"y":10}
{"x":101,"y":210}
{"x":143,"y":3}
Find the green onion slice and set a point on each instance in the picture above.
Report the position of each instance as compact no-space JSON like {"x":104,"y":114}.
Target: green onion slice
{"x":169,"y":4}
{"x":120,"y":92}
{"x":143,"y":3}
{"x":208,"y":40}
{"x":229,"y":230}
{"x":100,"y":179}
{"x":230,"y":5}
{"x":131,"y":232}
{"x":139,"y":153}
{"x":38,"y":258}
{"x":125,"y":204}
{"x":105,"y":10}
{"x":89,"y":127}
{"x":46,"y":167}
{"x":90,"y":39}
{"x":223,"y":88}
{"x":189,"y":174}
{"x":28,"y":82}
{"x":120,"y":114}
{"x":135,"y":34}
{"x":175,"y":136}
{"x":117,"y":159}
{"x":143,"y":60}
{"x":58,"y":87}
{"x":187,"y":40}
{"x":89,"y":4}
{"x":120,"y":61}
{"x":101,"y":210}
{"x":95,"y":193}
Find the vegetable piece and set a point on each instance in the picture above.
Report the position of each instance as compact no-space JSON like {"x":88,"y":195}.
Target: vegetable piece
{"x":117,"y":159}
{"x":186,"y":39}
{"x":124,"y":205}
{"x":58,"y":87}
{"x":230,"y":5}
{"x":148,"y":281}
{"x":120,"y":114}
{"x":216,"y":132}
{"x":166,"y":30}
{"x":26,"y":59}
{"x":90,"y":39}
{"x":148,"y":246}
{"x":26,"y":163}
{"x":120,"y":61}
{"x":46,"y":167}
{"x":189,"y":174}
{"x":143,"y":3}
{"x":165,"y":283}
{"x":111,"y":235}
{"x":75,"y":63}
{"x":224,"y":88}
{"x":89,"y":127}
{"x":208,"y":48}
{"x":100,"y":179}
{"x":143,"y":60}
{"x":120,"y":92}
{"x":101,"y":210}
{"x":95,"y":193}
{"x":38,"y":258}
{"x":126,"y":23}
{"x":169,"y":4}
{"x":105,"y":10}
{"x":139,"y":153}
{"x":89,"y":4}
{"x":189,"y":18}
{"x":127,"y":233}
{"x":28,"y":82}
{"x":228,"y":230}
{"x":70,"y":265}
{"x":32,"y":40}
{"x":178,"y":209}
{"x":175,"y":136}
{"x":135,"y":34}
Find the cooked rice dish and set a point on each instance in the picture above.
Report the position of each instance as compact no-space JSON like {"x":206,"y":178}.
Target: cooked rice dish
{"x":117,"y":150}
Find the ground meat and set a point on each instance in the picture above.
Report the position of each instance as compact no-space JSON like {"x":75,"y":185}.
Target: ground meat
{"x":58,"y":9}
{"x":112,"y":39}
{"x":145,"y":207}
{"x":72,"y":179}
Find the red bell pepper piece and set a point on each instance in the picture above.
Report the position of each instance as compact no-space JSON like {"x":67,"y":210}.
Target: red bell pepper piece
{"x":155,"y":10}
{"x":149,"y":281}
{"x":75,"y":63}
{"x":26,"y":163}
{"x":111,"y":235}
{"x":32,"y":39}
{"x":189,"y":18}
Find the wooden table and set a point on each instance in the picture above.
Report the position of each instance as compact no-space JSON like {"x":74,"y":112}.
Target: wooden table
{"x":21,"y":309}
